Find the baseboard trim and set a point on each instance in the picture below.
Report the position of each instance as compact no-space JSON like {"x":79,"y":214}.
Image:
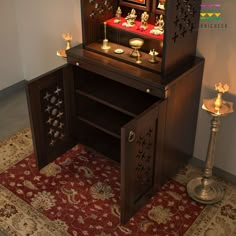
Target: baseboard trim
{"x":216,"y":171}
{"x":13,"y":89}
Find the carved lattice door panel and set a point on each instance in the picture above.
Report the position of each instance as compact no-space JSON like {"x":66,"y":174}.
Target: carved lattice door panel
{"x":141,"y":159}
{"x":181,"y":30}
{"x":50,"y":106}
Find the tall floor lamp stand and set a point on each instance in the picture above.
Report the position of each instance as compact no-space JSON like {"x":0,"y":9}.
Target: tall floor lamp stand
{"x":205,"y":189}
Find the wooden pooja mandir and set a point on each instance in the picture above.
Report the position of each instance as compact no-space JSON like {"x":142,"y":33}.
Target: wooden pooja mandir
{"x":142,"y":115}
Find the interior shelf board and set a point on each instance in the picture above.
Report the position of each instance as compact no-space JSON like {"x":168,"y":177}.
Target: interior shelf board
{"x":118,"y":96}
{"x":80,"y":118}
{"x":106,"y":103}
{"x":125,"y":57}
{"x":89,"y":135}
{"x":101,"y":115}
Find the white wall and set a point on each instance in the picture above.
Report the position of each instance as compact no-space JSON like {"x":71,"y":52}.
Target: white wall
{"x":10,"y":61}
{"x":218,"y":46}
{"x":33,"y":32}
{"x":41,"y":24}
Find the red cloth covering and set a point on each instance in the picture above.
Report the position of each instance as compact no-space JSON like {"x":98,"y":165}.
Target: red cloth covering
{"x":135,"y":29}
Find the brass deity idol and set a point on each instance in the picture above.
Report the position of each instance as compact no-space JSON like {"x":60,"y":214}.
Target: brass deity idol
{"x":144,"y":20}
{"x":159,"y":26}
{"x":130,"y":19}
{"x":118,"y":16}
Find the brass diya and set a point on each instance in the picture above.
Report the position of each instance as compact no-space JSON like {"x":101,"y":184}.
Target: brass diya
{"x":62,"y":52}
{"x":135,"y":44}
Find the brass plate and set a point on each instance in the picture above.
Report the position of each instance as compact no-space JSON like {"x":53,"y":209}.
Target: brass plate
{"x":118,"y":51}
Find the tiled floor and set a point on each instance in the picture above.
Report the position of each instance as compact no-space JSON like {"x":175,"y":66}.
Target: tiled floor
{"x":13,"y":111}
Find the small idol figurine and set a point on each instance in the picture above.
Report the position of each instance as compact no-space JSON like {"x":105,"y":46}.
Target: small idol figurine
{"x":161,"y":4}
{"x":144,"y":20}
{"x":159,"y":26}
{"x":118,"y":16}
{"x":153,"y":54}
{"x":130,"y":19}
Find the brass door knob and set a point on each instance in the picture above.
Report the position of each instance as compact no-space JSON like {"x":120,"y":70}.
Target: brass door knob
{"x":131,"y":136}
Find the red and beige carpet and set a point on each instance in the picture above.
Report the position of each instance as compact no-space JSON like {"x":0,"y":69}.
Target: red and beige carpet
{"x":79,"y":194}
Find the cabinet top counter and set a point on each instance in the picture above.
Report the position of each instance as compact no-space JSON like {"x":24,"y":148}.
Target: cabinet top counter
{"x":125,"y":72}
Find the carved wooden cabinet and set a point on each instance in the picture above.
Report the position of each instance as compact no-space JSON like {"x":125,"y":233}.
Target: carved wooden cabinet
{"x":140,"y":115}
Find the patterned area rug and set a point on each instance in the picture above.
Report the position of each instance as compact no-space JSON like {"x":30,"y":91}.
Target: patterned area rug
{"x":78,"y":194}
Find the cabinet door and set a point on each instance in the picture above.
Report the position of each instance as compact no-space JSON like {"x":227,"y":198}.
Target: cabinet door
{"x":141,"y":157}
{"x":49,"y":100}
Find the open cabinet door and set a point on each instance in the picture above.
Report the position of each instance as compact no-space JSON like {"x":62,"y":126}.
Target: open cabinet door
{"x":49,"y":100}
{"x":141,"y":156}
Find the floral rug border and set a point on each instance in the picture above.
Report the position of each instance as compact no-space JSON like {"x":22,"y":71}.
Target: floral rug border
{"x":15,"y":148}
{"x":37,"y":223}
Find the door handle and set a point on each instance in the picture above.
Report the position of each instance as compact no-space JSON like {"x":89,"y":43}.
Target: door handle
{"x":131,"y":136}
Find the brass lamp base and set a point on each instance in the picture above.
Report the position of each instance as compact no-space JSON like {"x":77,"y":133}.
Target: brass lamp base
{"x":105,"y":44}
{"x":204,"y":190}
